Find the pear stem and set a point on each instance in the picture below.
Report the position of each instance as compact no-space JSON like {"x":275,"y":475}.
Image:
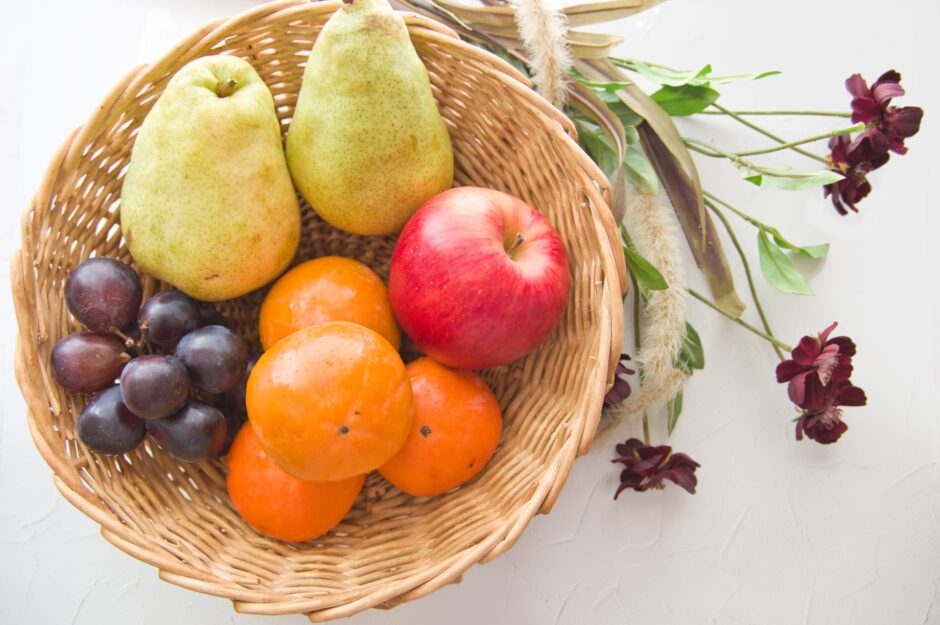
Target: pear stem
{"x":227,"y":88}
{"x":516,"y":243}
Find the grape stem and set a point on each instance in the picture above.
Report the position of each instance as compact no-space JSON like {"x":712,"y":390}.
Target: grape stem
{"x":129,"y":343}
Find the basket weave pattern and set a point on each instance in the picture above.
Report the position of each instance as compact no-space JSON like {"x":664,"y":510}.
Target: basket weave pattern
{"x":391,"y":548}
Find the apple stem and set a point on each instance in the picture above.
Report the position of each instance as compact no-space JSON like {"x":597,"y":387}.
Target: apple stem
{"x":516,"y":243}
{"x":227,"y":88}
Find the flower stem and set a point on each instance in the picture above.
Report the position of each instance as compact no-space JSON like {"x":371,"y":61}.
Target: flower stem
{"x":636,"y":340}
{"x":739,"y":321}
{"x":747,"y":272}
{"x":810,"y":113}
{"x":766,"y":133}
{"x":715,"y":152}
{"x":813,"y":139}
{"x":751,"y":220}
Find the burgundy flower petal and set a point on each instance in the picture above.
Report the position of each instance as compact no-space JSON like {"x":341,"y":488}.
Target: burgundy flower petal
{"x":825,"y":434}
{"x":846,"y":345}
{"x":865,"y":110}
{"x":842,"y":371}
{"x":824,"y":335}
{"x":628,"y":447}
{"x":883,"y":92}
{"x":788,"y":369}
{"x":905,"y":121}
{"x":889,"y":76}
{"x":797,"y":387}
{"x":814,"y":394}
{"x":806,"y":351}
{"x":856,"y":85}
{"x":681,"y":471}
{"x":851,"y":396}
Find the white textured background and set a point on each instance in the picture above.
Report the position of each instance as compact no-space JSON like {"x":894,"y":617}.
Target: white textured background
{"x":780,"y":532}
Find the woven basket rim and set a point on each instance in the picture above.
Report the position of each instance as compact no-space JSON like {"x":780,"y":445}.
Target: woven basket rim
{"x":30,"y":334}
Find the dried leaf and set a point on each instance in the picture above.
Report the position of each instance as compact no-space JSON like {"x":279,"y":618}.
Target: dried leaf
{"x":707,"y":249}
{"x":597,"y":12}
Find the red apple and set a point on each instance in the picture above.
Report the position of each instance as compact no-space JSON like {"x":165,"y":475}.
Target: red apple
{"x":478,"y":278}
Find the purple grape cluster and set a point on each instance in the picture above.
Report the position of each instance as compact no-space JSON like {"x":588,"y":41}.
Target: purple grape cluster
{"x":170,"y":367}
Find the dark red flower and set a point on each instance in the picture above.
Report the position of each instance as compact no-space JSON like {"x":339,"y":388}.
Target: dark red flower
{"x":646,"y":466}
{"x":890,"y":125}
{"x":816,"y":362}
{"x":818,"y":375}
{"x":621,"y":388}
{"x":854,"y":160}
{"x":823,"y":422}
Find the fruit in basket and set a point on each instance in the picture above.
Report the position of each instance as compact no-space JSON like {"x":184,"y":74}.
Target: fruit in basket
{"x":215,"y":358}
{"x":331,"y":288}
{"x":154,"y":386}
{"x":167,"y":317}
{"x":478,"y":278}
{"x":456,"y":428}
{"x":278,"y":504}
{"x":367,"y":145}
{"x":330,"y":401}
{"x":194,"y":433}
{"x":86,"y":362}
{"x":207,"y":203}
{"x":103,"y":294}
{"x":107,"y":426}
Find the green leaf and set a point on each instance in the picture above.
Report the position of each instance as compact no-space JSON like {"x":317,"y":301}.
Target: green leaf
{"x":811,"y":251}
{"x":628,"y":117}
{"x":685,"y":100}
{"x":672,"y":77}
{"x":692,"y":354}
{"x":646,"y":275}
{"x":778,"y":268}
{"x":702,"y":77}
{"x":631,"y":135}
{"x":609,"y":87}
{"x":639,"y":171}
{"x":781,"y":179}
{"x":674,"y":407}
{"x":595,"y":143}
{"x":724,"y":80}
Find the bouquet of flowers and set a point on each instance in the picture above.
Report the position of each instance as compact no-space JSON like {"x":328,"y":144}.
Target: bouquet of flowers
{"x":632,"y":136}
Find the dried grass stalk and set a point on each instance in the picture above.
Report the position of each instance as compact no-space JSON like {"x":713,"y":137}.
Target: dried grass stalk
{"x":544,"y":34}
{"x":654,"y":230}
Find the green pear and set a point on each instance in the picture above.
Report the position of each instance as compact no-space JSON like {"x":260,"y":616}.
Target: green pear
{"x":207,"y":204}
{"x":367,"y":145}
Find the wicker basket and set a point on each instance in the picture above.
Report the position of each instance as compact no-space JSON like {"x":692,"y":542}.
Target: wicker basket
{"x":391,"y":548}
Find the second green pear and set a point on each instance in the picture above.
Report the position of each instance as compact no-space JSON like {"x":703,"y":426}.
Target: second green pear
{"x":367,"y":145}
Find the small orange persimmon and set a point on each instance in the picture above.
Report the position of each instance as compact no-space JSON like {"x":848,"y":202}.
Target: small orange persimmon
{"x":278,"y":504}
{"x":331,"y":288}
{"x":330,"y":401}
{"x":457,"y":425}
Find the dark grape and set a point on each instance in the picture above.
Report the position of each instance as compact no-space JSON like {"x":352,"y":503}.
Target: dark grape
{"x":88,"y":361}
{"x":210,"y":316}
{"x":214,"y":356}
{"x":234,"y":398}
{"x":154,"y":386}
{"x":196,"y":432}
{"x":104,"y":294}
{"x":168,"y":316}
{"x":107,"y":426}
{"x":234,"y":421}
